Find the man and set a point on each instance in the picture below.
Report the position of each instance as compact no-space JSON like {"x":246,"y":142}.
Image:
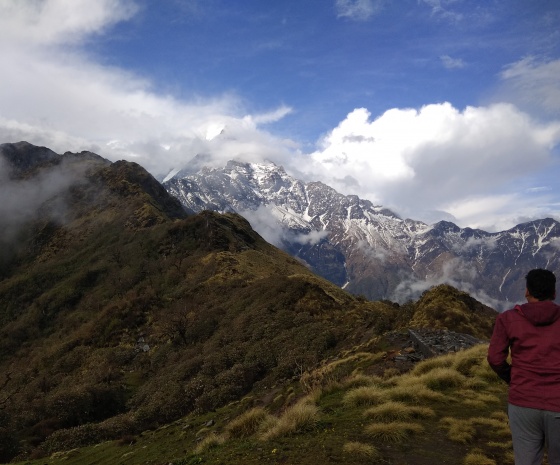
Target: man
{"x":532,"y":333}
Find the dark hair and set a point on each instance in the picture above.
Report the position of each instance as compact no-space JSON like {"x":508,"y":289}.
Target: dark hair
{"x":541,"y":284}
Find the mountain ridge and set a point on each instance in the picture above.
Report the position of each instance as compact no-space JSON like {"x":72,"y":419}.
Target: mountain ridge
{"x":366,"y":248}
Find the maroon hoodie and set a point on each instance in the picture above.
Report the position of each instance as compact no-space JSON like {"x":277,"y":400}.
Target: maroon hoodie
{"x":532,"y":333}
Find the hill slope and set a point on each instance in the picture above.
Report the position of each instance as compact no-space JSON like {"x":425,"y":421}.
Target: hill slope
{"x":122,"y":312}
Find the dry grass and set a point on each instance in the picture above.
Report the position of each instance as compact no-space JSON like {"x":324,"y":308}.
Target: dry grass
{"x":442,"y":378}
{"x":461,"y":431}
{"x":365,"y":395}
{"x":360,"y":380}
{"x":391,"y":411}
{"x":478,"y":458}
{"x":464,"y":431}
{"x":302,"y":416}
{"x":210,"y":441}
{"x":360,"y":449}
{"x":248,"y":423}
{"x":392,"y":432}
{"x":444,"y":361}
{"x":410,"y":390}
{"x":335,"y":372}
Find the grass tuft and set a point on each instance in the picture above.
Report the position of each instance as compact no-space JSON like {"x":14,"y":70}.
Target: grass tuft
{"x":392,"y":432}
{"x":301,"y":417}
{"x":441,"y":378}
{"x":248,"y":423}
{"x":391,"y":411}
{"x":461,"y":431}
{"x":478,"y":458}
{"x":209,"y":442}
{"x":365,"y":395}
{"x":413,"y":392}
{"x":360,"y":449}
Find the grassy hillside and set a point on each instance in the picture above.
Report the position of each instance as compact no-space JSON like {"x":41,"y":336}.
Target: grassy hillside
{"x":450,"y":409}
{"x":122,"y":314}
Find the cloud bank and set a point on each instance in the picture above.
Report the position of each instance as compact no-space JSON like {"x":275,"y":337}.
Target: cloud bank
{"x":438,"y":158}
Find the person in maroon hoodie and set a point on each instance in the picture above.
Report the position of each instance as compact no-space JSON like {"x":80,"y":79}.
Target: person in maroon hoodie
{"x":532,"y":333}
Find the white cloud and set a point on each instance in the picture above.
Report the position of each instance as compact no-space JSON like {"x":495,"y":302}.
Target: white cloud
{"x":440,"y":9}
{"x":48,"y":22}
{"x":452,"y":63}
{"x":270,"y":117}
{"x":456,"y":273}
{"x":358,"y":10}
{"x":58,"y":97}
{"x":534,"y":82}
{"x":438,"y":158}
{"x":311,"y":238}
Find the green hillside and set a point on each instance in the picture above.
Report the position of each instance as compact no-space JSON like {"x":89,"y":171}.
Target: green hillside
{"x":128,"y":322}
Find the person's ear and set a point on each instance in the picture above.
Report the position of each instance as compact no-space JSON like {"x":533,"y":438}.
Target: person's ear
{"x":527,"y":293}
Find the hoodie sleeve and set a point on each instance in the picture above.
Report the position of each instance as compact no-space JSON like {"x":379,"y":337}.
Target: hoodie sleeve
{"x":498,"y":350}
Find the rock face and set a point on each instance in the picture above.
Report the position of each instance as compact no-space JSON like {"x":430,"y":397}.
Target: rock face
{"x":368,"y":249}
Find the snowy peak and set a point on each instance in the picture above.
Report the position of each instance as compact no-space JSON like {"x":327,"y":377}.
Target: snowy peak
{"x":367,"y":248}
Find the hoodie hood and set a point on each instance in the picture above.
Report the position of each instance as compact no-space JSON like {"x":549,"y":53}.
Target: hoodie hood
{"x":542,"y":313}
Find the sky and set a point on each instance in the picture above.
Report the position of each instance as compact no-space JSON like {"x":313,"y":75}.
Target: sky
{"x":437,"y":109}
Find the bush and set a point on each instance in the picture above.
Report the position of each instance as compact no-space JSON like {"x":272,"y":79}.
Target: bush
{"x":84,"y":404}
{"x":9,"y":446}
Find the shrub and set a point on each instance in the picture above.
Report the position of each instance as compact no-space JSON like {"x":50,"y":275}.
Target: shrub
{"x":9,"y":445}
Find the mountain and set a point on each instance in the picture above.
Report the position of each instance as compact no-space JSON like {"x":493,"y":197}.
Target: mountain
{"x":123,"y":311}
{"x":368,"y":249}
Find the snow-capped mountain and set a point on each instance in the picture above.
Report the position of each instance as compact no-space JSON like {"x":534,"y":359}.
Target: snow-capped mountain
{"x":366,"y":248}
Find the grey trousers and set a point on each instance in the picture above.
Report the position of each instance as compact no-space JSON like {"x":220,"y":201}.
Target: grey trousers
{"x":532,"y":430}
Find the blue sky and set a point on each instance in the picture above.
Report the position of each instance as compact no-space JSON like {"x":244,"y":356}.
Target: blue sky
{"x":326,"y":58}
{"x":439,"y":109}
